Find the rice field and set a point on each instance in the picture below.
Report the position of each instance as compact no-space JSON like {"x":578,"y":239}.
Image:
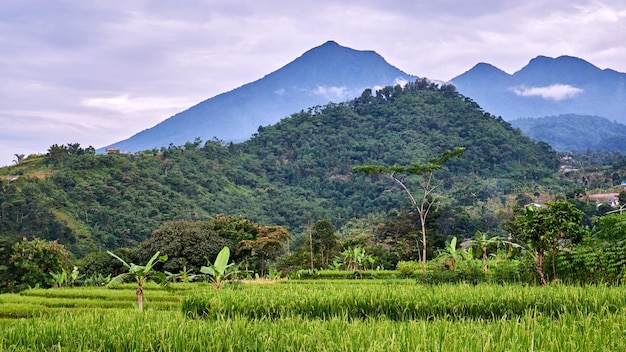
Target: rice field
{"x":400,"y":301}
{"x":351,"y":315}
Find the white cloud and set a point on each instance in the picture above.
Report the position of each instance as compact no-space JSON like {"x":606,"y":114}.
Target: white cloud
{"x":598,"y":13}
{"x":125,"y":104}
{"x":331,"y":93}
{"x":554,"y":92}
{"x":401,"y":81}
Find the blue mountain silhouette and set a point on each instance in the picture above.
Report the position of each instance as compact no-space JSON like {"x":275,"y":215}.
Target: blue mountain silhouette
{"x":547,"y":87}
{"x":327,"y":73}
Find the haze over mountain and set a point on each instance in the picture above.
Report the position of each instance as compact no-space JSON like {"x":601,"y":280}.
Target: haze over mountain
{"x":575,"y":132}
{"x":547,"y":87}
{"x":327,"y":73}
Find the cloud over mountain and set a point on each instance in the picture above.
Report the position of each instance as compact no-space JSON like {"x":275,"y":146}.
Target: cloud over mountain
{"x":547,"y":86}
{"x":332,"y":93}
{"x":554,"y":92}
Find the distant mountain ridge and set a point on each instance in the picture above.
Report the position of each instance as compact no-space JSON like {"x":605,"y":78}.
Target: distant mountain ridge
{"x":547,"y":87}
{"x":327,"y":73}
{"x":576,"y":133}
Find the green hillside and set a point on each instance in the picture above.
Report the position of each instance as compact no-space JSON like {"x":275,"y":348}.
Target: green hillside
{"x":576,"y":133}
{"x":289,"y":174}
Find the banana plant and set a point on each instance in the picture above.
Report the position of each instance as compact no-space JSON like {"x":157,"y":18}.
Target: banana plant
{"x":336,"y":265}
{"x":73,"y":276}
{"x":220,"y":270}
{"x":64,"y":278}
{"x":184,"y":275}
{"x":274,"y":274}
{"x":452,"y":254}
{"x":483,"y":242}
{"x":356,"y":257}
{"x":141,"y":274}
{"x":97,"y":280}
{"x":59,"y":279}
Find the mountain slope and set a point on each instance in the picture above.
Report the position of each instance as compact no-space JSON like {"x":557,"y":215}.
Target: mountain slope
{"x":328,"y":73}
{"x":291,"y":173}
{"x":575,"y":132}
{"x":545,"y":87}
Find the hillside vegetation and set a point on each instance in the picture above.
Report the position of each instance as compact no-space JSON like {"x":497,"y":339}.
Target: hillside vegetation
{"x":566,"y":133}
{"x":289,"y":174}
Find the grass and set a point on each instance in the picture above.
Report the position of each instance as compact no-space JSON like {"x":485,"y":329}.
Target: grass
{"x":401,"y":301}
{"x":117,"y":330}
{"x":560,"y":318}
{"x":43,"y":302}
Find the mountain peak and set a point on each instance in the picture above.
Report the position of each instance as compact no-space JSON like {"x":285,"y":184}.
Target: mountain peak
{"x":329,"y":46}
{"x":327,"y":73}
{"x":562,"y":66}
{"x":483,"y":72}
{"x":547,"y":86}
{"x":330,"y":43}
{"x":485,"y":68}
{"x":332,"y":50}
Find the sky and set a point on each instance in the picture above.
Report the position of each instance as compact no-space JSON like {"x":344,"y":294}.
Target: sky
{"x":96,"y":72}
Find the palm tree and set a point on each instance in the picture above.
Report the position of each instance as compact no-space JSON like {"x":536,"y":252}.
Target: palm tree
{"x":18,"y":158}
{"x":141,"y":274}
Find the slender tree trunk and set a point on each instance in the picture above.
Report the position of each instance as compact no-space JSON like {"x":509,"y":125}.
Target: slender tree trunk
{"x":422,"y":209}
{"x":553,"y":254}
{"x":140,"y":298}
{"x":311,"y":243}
{"x":539,"y":259}
{"x":423,"y":223}
{"x":484,"y":259}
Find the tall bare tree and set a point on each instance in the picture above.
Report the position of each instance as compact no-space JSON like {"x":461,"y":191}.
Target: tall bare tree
{"x":427,"y":184}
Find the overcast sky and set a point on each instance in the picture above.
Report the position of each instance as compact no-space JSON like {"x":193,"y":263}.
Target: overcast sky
{"x":98,"y":71}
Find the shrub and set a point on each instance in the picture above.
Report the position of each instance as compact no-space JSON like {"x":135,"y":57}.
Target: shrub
{"x":506,"y":271}
{"x":36,"y":259}
{"x":409,"y":268}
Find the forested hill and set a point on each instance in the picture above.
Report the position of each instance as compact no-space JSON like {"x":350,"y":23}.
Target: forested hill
{"x":290,"y":174}
{"x":577,"y":133}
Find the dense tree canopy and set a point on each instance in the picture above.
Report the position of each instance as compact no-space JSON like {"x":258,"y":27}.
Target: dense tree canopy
{"x":33,"y":260}
{"x":186,"y":243}
{"x":324,"y":240}
{"x":548,"y":230}
{"x":267,"y":244}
